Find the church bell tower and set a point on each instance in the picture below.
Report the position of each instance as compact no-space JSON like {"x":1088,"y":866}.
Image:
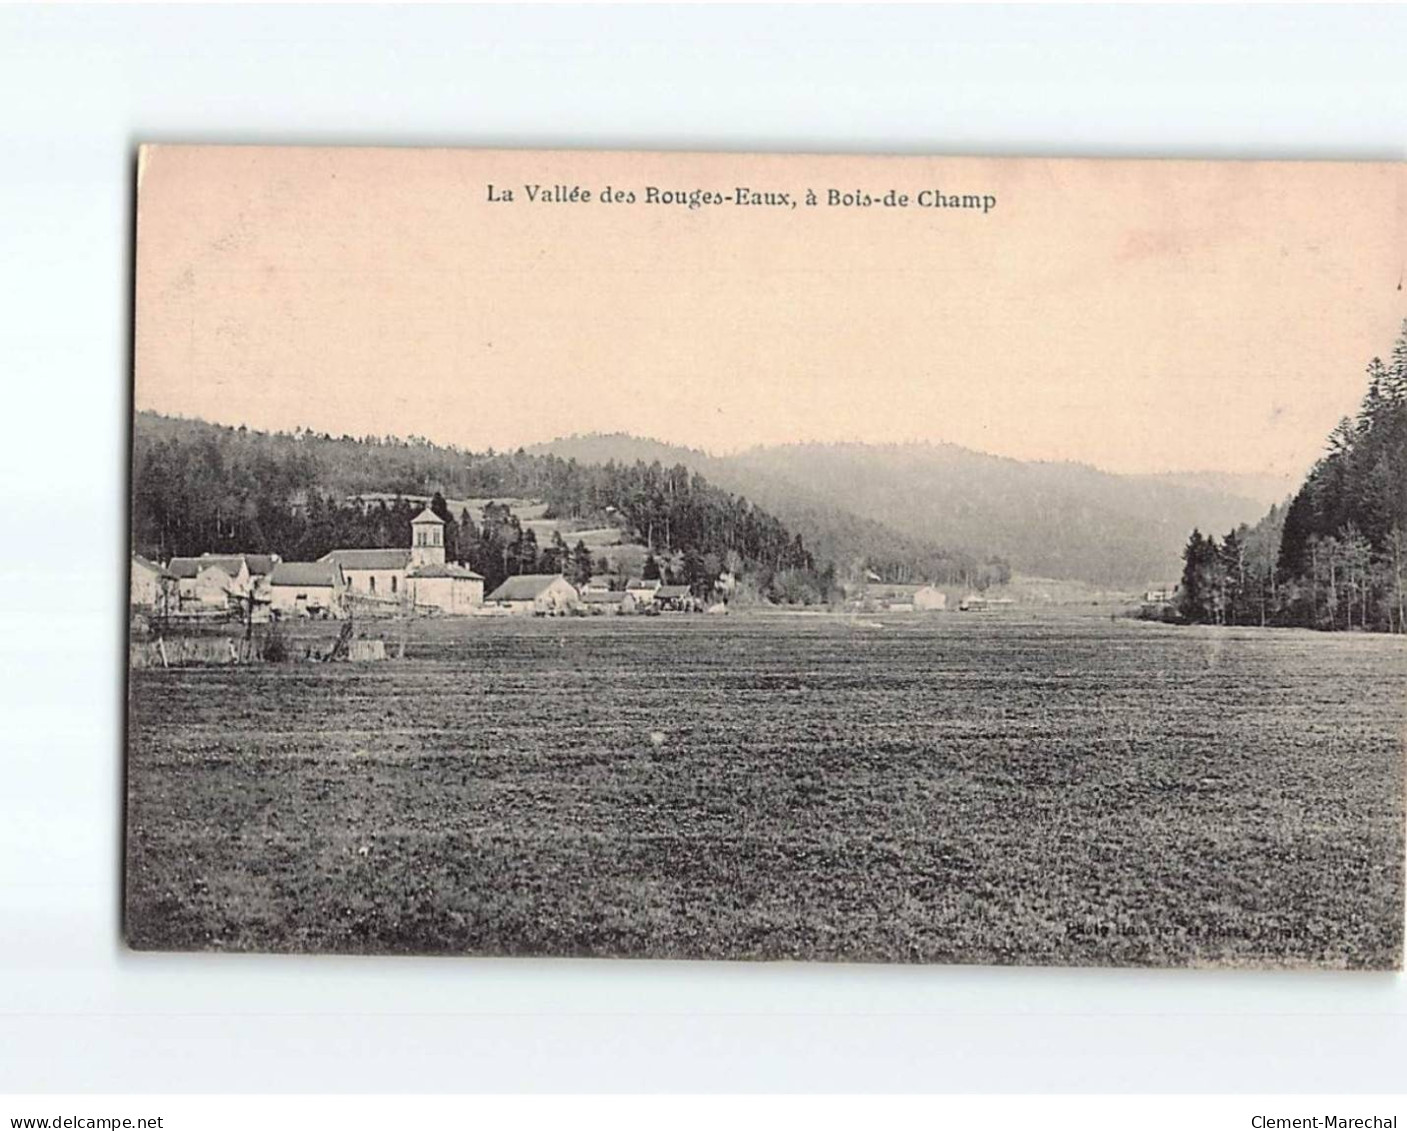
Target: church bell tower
{"x":427,"y":539}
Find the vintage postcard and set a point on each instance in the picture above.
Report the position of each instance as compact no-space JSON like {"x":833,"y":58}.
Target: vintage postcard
{"x":760,"y":557}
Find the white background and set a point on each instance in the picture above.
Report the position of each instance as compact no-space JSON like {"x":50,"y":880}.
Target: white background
{"x":78,"y":90}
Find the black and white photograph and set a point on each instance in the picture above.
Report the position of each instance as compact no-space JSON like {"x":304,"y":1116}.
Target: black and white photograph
{"x":730,"y":556}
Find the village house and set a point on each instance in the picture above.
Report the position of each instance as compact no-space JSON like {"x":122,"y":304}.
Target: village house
{"x":601,"y":583}
{"x":930,"y":599}
{"x":643,"y":591}
{"x":539,"y":594}
{"x":211,"y":581}
{"x":153,"y":586}
{"x":608,"y":602}
{"x":307,"y":589}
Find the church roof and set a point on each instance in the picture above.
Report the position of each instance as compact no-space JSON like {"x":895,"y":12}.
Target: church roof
{"x":368,"y":559}
{"x":449,"y":569}
{"x":427,"y":515}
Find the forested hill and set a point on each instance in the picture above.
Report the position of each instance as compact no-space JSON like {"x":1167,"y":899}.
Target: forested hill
{"x":939,"y":502}
{"x":200,"y":487}
{"x":857,"y":543}
{"x":1336,"y":556}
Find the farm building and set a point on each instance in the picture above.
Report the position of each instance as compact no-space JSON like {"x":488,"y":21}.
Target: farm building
{"x":372,"y":573}
{"x":153,"y":586}
{"x":446,"y":588}
{"x":598,"y":584}
{"x":930,"y":599}
{"x":607,"y":602}
{"x":643,"y":590}
{"x":309,"y":589}
{"x":536,"y":593}
{"x":211,"y":581}
{"x":674,"y":598}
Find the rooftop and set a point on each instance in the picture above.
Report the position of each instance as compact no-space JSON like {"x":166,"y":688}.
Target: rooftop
{"x":368,"y":559}
{"x":190,"y":567}
{"x":602,"y":597}
{"x":147,"y":563}
{"x":319,"y":574}
{"x":261,"y":564}
{"x":524,"y":587}
{"x":449,"y":569}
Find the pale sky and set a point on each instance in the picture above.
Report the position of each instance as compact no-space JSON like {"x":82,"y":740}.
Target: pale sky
{"x":1138,"y":316}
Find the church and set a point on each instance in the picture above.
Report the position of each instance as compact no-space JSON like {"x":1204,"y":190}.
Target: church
{"x":419,"y":576}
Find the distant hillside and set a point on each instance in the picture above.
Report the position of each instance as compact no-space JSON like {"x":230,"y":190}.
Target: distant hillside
{"x":853,"y":541}
{"x":1268,"y":490}
{"x":1059,"y":520}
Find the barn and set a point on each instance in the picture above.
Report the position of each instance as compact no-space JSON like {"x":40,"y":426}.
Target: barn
{"x":538,"y":594}
{"x":307,"y":589}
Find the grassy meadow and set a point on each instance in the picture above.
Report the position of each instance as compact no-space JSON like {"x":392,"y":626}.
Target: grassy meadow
{"x":956,"y":788}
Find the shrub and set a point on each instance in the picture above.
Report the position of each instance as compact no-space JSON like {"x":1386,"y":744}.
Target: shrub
{"x":275,"y":646}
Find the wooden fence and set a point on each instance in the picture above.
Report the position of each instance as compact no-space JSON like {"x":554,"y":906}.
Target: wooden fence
{"x":205,"y":651}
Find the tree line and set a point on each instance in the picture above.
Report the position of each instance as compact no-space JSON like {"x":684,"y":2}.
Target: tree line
{"x":200,"y":487}
{"x":1335,"y":556}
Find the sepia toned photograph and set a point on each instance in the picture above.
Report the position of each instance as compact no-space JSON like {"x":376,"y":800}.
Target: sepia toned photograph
{"x":744,"y":556}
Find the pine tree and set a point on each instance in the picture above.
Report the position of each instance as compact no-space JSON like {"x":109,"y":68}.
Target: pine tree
{"x":1191,"y":598}
{"x":581,"y":564}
